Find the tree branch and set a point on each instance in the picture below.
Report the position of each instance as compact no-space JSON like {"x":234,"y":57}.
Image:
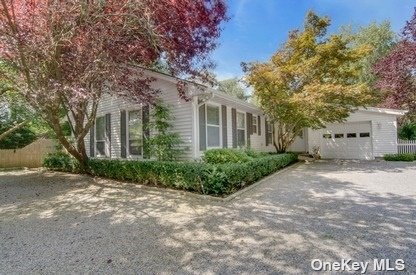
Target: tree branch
{"x":14,"y":128}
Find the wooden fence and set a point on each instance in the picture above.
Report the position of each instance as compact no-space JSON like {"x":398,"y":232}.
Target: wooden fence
{"x":406,"y":146}
{"x":30,"y":156}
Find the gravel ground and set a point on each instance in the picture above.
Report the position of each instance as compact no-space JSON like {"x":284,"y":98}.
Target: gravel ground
{"x":59,"y":223}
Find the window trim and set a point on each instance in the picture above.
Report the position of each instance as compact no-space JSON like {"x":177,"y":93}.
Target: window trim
{"x":244,"y":128}
{"x":128,"y":154}
{"x":213,"y":125}
{"x":105,"y":140}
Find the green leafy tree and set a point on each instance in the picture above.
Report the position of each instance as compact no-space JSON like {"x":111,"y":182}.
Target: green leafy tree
{"x":233,"y":87}
{"x":14,"y":114}
{"x":312,"y":80}
{"x":380,"y":37}
{"x":164,"y":144}
{"x":19,"y":123}
{"x":408,"y":131}
{"x":18,"y":138}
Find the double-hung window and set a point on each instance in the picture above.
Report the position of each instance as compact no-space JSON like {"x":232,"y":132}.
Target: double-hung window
{"x":101,"y":137}
{"x":213,"y":126}
{"x":254,"y":124}
{"x":241,"y":129}
{"x":269,"y":132}
{"x":135,"y":133}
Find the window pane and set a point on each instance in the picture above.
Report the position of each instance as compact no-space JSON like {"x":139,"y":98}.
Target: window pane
{"x":339,"y":135}
{"x":135,"y":131}
{"x":241,"y":138}
{"x":213,"y":115}
{"x":327,"y":136}
{"x":101,"y":148}
{"x":255,"y":125}
{"x":100,"y":128}
{"x":135,"y":116}
{"x":213,"y":136}
{"x":135,"y":147}
{"x":241,"y":123}
{"x":270,"y":137}
{"x":351,"y":135}
{"x":364,"y":134}
{"x":135,"y":125}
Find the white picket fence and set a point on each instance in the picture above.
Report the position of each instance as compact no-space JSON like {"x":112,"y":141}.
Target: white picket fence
{"x":406,"y":146}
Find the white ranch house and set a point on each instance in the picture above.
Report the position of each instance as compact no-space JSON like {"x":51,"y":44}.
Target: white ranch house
{"x":212,"y":119}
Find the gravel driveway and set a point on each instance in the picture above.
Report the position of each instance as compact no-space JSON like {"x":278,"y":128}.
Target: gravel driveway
{"x":58,"y":223}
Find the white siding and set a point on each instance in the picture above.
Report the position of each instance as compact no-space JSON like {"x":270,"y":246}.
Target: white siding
{"x":383,"y":127}
{"x":257,"y":141}
{"x":299,"y":145}
{"x":180,"y":110}
{"x":185,"y":119}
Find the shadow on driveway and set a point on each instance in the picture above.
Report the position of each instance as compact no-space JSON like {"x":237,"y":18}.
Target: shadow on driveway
{"x":52,"y":222}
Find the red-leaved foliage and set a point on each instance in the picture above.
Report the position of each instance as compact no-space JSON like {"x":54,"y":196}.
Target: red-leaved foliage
{"x":63,"y":54}
{"x":397,"y":71}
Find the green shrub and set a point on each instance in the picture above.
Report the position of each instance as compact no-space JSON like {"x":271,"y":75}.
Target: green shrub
{"x":240,"y":175}
{"x":205,"y":178}
{"x":255,"y":154}
{"x":61,"y":161}
{"x":400,"y":157}
{"x":164,"y":144}
{"x":219,"y":156}
{"x":408,"y":131}
{"x":17,"y":139}
{"x":178,"y":175}
{"x":229,"y":177}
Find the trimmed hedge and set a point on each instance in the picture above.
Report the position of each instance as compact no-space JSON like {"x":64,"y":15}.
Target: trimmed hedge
{"x":400,"y":157}
{"x":219,"y":156}
{"x":228,"y":155}
{"x":204,"y":178}
{"x":178,"y":175}
{"x":234,"y":176}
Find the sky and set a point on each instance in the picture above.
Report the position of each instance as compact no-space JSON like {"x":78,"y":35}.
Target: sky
{"x":257,"y":27}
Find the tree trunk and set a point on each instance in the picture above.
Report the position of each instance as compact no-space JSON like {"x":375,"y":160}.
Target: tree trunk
{"x":284,"y":136}
{"x":79,"y":155}
{"x":13,"y":129}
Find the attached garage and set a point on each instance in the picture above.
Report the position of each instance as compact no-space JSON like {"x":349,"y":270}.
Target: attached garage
{"x":366,"y":134}
{"x":347,"y":141}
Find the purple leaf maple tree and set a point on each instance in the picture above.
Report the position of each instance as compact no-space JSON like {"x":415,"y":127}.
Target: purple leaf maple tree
{"x":396,"y":72}
{"x":63,"y":55}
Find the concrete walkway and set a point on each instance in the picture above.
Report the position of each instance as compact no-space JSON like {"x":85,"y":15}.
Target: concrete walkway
{"x":58,"y":223}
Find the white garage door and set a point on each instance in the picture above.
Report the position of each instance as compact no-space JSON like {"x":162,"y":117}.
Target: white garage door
{"x":347,"y":141}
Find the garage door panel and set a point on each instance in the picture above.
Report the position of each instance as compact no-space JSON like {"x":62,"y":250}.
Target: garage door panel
{"x":345,"y":141}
